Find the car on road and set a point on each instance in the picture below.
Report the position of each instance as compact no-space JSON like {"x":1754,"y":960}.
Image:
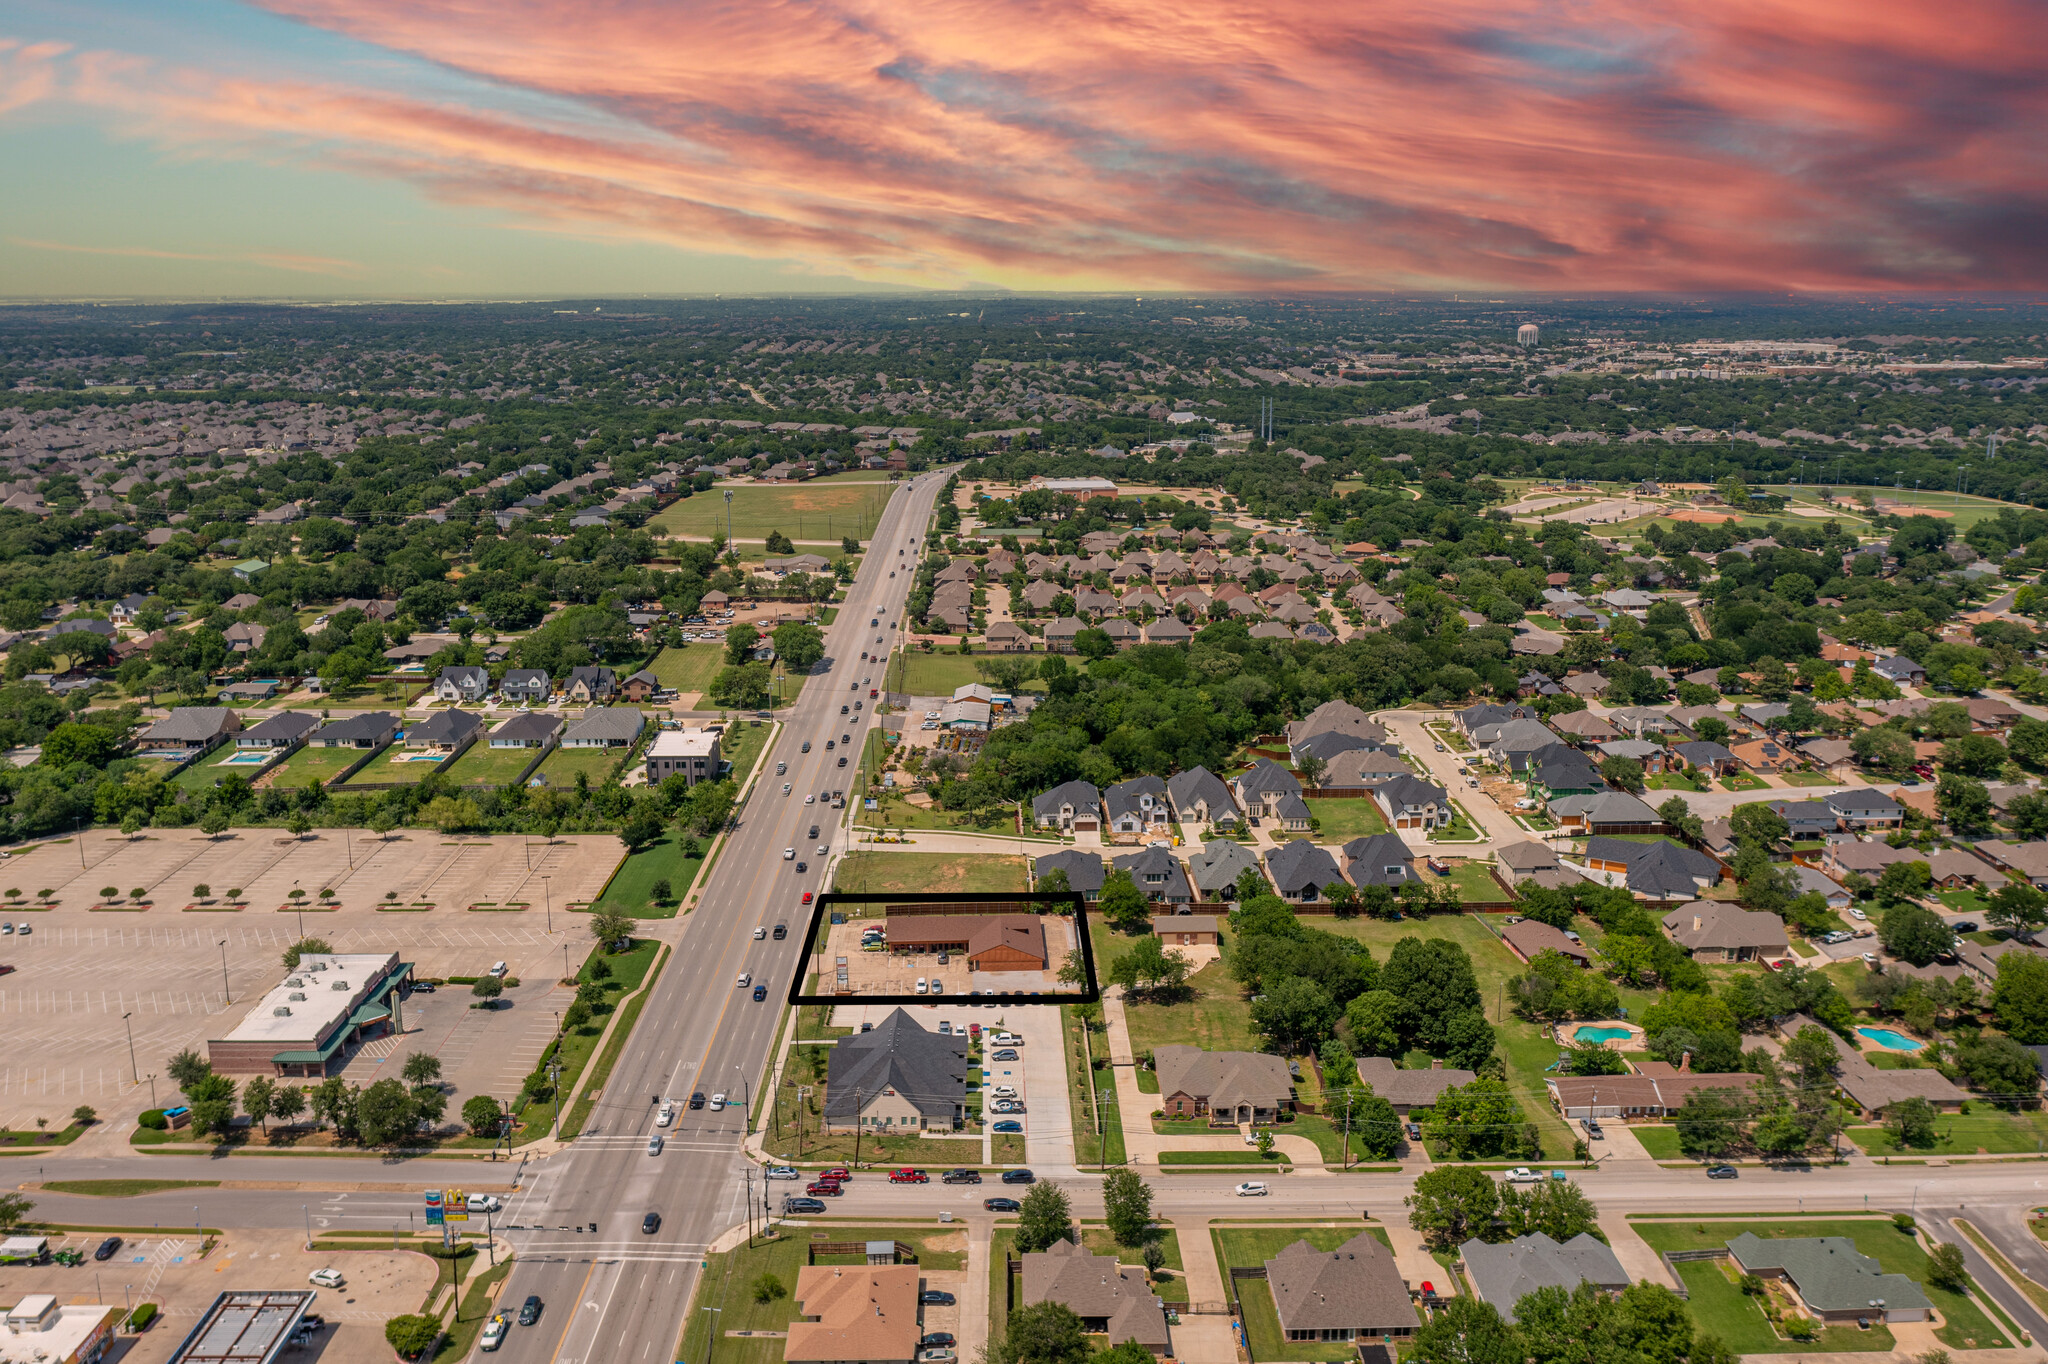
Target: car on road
{"x":780,"y":1172}
{"x":1251,"y":1189}
{"x":760,"y":932}
{"x":803,"y":867}
{"x":326,"y":1278}
{"x":935,"y":1297}
{"x":718,"y":1101}
{"x":1001,"y":1204}
{"x":782,"y":930}
{"x":1019,"y":1177}
{"x":961,"y":1177}
{"x":1721,"y":1172}
{"x":665,"y":1115}
{"x":697,"y":1098}
{"x":795,"y":1205}
{"x":909,"y":1177}
{"x":789,"y":854}
{"x":760,"y":993}
{"x":838,"y":1172}
{"x":823,"y":1188}
{"x":529,"y":1311}
{"x":650,"y":1224}
{"x":809,"y":799}
{"x":785,"y":788}
{"x":106,"y":1248}
{"x":654,"y":1144}
{"x":483,"y":1202}
{"x":746,"y":978}
{"x":1007,"y":1125}
{"x":807,"y":746}
{"x":494,"y":1332}
{"x":1006,"y":1054}
{"x":1522,"y":1174}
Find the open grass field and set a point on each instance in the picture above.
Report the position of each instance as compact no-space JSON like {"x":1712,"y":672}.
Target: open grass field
{"x":315,"y":764}
{"x":895,"y":873}
{"x":483,"y":765}
{"x":1346,"y":818}
{"x":1985,"y":1129}
{"x":823,"y":509}
{"x":689,"y":668}
{"x":935,"y":674}
{"x":561,"y":766}
{"x":1216,"y":1019}
{"x":894,"y":812}
{"x":1741,"y":1322}
{"x":397,"y":764}
{"x":631,"y":890}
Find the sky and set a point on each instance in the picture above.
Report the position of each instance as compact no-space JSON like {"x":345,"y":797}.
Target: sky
{"x":532,"y":148}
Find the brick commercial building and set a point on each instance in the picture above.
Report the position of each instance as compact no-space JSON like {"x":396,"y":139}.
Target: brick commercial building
{"x":315,"y":1014}
{"x":990,"y":942}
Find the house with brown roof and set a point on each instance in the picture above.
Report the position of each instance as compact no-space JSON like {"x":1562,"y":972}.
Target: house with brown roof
{"x":990,"y":942}
{"x":1110,"y":1299}
{"x":1227,"y":1087}
{"x":1714,"y":930}
{"x":1527,"y":937}
{"x":1188,"y":930}
{"x":1006,"y":638}
{"x":855,"y":1314}
{"x":1354,"y":1292}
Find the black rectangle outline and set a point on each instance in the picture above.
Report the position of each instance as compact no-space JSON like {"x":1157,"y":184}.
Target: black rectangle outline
{"x":1092,"y":994}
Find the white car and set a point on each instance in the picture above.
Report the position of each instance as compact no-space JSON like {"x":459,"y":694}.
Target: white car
{"x":1004,"y":1091}
{"x":717,"y":1102}
{"x":760,"y":932}
{"x":1251,"y":1189}
{"x":1858,"y":914}
{"x":789,"y":854}
{"x":498,"y":969}
{"x":785,"y":788}
{"x":781,"y":1172}
{"x":746,"y":979}
{"x":326,"y":1278}
{"x":482,"y":1202}
{"x":666,"y":1116}
{"x":824,"y":848}
{"x":494,"y":1333}
{"x":923,"y":985}
{"x":1522,"y":1174}
{"x":810,"y":798}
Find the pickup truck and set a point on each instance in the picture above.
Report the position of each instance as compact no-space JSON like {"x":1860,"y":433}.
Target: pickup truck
{"x":494,"y":1332}
{"x":1522,"y":1174}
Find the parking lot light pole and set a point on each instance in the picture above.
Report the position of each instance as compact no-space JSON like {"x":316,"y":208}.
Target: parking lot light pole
{"x":224,"y":971}
{"x":152,"y":1089}
{"x":307,"y":1209}
{"x":548,"y":903}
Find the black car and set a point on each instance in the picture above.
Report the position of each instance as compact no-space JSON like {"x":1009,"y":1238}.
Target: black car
{"x":419,"y":987}
{"x":933,"y":1297}
{"x":529,"y":1311}
{"x":650,"y":1224}
{"x":697,"y":1099}
{"x":842,"y":760}
{"x":803,"y":866}
{"x":938,"y":1338}
{"x":1720,"y":1172}
{"x":781,"y":932}
{"x":795,"y":1204}
{"x":1415,"y":1131}
{"x":1002,"y":1204}
{"x":1019,"y":1177}
{"x":813,"y":833}
{"x":1964,"y":926}
{"x":961,"y":1177}
{"x":107,"y":1248}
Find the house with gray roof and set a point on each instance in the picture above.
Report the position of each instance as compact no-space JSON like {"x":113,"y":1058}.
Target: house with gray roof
{"x":1504,"y":1274}
{"x":444,"y":731}
{"x":605,"y":727}
{"x":1412,"y":803}
{"x":1511,"y":742}
{"x":1200,"y":797}
{"x":1299,"y":870}
{"x":897,"y":1077}
{"x":527,"y":731}
{"x":1410,"y":1089}
{"x":462,"y":683}
{"x":1157,"y":875}
{"x":1227,"y":1087}
{"x":286,"y":729}
{"x":1364,"y":767}
{"x":1716,"y":758}
{"x":1084,"y":871}
{"x":1354,"y":1292}
{"x":1714,"y":930}
{"x":1327,"y":745}
{"x":1215,"y":870}
{"x":1380,"y":860}
{"x":192,"y":729}
{"x":1111,"y":1299}
{"x":1260,"y":788}
{"x":1336,"y":717}
{"x":1656,"y":871}
{"x":1136,"y":809}
{"x":590,"y":684}
{"x":371,"y":729}
{"x":1604,"y":812}
{"x":1071,"y":807}
{"x":1866,"y":809}
{"x":1834,"y":1280}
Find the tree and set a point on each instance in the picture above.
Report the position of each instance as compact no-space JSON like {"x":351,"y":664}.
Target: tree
{"x":1945,"y":1268}
{"x":1759,"y":824}
{"x":739,"y":642}
{"x":610,"y":927}
{"x":258,"y":1093}
{"x":2000,"y":1066}
{"x":287,"y":1103}
{"x":1678,"y":815}
{"x":304,"y":947}
{"x":1910,"y":1122}
{"x":1295,"y":1013}
{"x":487,"y":988}
{"x":1480,"y":1118}
{"x":187,"y":1070}
{"x":1310,"y":769}
{"x":1150,"y":967}
{"x":1625,"y":774}
{"x":1452,"y":1204}
{"x":1375,"y":1125}
{"x":2028,"y":743}
{"x":767,"y":1288}
{"x":1965,"y":804}
{"x":1434,"y":979}
{"x":1127,"y":1206}
{"x":481,"y":1115}
{"x":641,"y":827}
{"x":1709,"y":1122}
{"x":14,"y":1210}
{"x":1464,"y":1330}
{"x":1122,"y":904}
{"x":799,"y":645}
{"x":385,"y":1114}
{"x":300,"y":825}
{"x":2019,"y":997}
{"x":1376,"y":1019}
{"x":2017,"y":908}
{"x":1902,"y":881}
{"x":421,"y":1069}
{"x":214,"y":822}
{"x":70,"y":743}
{"x":1041,"y":1333}
{"x":1884,"y":748}
{"x":1973,"y":755}
{"x":1557,"y":1208}
{"x":1914,"y":934}
{"x":1043,"y":1217}
{"x":411,"y":1336}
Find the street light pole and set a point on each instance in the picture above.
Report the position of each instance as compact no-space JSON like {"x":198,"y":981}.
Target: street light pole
{"x":224,"y":971}
{"x":307,"y":1209}
{"x":547,"y":903}
{"x":134,"y":1071}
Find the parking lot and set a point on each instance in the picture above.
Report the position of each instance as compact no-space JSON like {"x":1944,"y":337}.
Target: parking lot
{"x":79,"y":971}
{"x":167,"y":1270}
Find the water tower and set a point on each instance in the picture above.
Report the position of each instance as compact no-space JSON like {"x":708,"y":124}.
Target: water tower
{"x":1528,"y":334}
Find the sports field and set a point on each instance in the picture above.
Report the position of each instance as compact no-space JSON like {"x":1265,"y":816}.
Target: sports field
{"x":820,"y":511}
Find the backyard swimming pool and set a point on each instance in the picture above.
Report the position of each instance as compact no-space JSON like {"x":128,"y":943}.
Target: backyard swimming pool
{"x":250,"y":759}
{"x":1891,"y":1039}
{"x":1587,"y":1034}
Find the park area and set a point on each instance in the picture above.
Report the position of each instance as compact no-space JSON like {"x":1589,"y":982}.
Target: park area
{"x":1719,"y":1304}
{"x":820,"y":510}
{"x":910,"y":873}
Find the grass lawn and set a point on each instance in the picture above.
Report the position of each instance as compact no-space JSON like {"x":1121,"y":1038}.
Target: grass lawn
{"x":1669,"y":781}
{"x":819,"y":510}
{"x":1659,"y":1140}
{"x":483,"y":765}
{"x":628,"y":969}
{"x":561,"y":766}
{"x":893,"y":873}
{"x":940,"y":673}
{"x":1743,"y":781}
{"x":1964,"y":901}
{"x":1089,"y":1148}
{"x":1216,"y":1019}
{"x":392,"y":765}
{"x":689,"y":668}
{"x":631,"y":889}
{"x":1718,"y":1305}
{"x":1475,"y":884}
{"x":742,"y":745}
{"x":124,"y":1188}
{"x":1808,"y":779}
{"x":1249,"y":1156}
{"x":1345,"y":819}
{"x":1985,"y":1129}
{"x":1896,"y":1253}
{"x":316,"y":764}
{"x":894,"y":812}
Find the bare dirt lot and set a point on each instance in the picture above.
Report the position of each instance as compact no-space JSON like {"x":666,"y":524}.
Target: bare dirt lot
{"x":79,"y":970}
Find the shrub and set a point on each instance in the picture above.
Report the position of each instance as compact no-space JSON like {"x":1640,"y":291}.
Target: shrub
{"x":142,"y":1316}
{"x":1802,"y":1328}
{"x":154,"y":1120}
{"x":1903,"y":1221}
{"x":411,"y":1336}
{"x":767,"y":1288}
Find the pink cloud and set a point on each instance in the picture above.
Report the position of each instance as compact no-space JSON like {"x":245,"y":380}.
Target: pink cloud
{"x":1547,"y":144}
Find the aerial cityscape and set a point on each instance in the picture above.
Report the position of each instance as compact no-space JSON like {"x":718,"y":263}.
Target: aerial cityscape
{"x":1022,"y":686}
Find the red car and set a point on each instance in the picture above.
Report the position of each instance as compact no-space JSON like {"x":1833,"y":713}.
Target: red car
{"x":807,"y":897}
{"x":838,"y":1174}
{"x":909,"y":1177}
{"x":824,"y":1188}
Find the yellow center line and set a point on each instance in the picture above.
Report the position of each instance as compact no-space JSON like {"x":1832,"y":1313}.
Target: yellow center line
{"x":574,"y":1308}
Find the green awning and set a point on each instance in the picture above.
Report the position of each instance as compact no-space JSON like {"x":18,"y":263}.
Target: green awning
{"x":376,"y":1008}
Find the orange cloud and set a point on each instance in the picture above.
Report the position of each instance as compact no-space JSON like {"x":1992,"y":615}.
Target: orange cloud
{"x":1547,"y":144}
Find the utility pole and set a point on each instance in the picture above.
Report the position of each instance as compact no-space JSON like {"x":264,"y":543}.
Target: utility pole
{"x":1348,"y":1097}
{"x":750,"y":1207}
{"x":856,"y":1127}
